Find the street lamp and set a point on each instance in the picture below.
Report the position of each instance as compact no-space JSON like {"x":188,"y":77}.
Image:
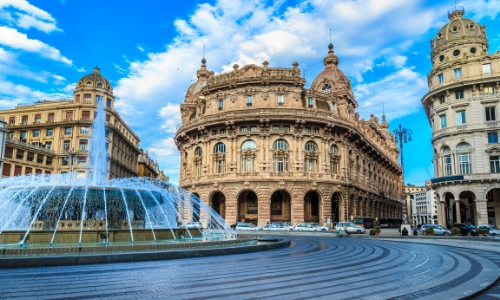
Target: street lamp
{"x":402,"y":136}
{"x":71,"y":155}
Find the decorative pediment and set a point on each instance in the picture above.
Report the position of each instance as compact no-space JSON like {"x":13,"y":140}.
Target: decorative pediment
{"x":249,"y":71}
{"x":493,"y":150}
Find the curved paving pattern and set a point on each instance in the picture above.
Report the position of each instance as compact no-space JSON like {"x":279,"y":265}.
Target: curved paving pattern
{"x":314,"y":267}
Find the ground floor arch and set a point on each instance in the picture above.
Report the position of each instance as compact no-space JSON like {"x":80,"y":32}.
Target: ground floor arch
{"x":493,"y":206}
{"x":311,"y":207}
{"x":336,"y":207}
{"x":248,"y":207}
{"x":281,"y":207}
{"x":218,"y":204}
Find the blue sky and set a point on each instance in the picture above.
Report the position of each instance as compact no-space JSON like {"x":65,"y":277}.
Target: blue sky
{"x":150,"y":51}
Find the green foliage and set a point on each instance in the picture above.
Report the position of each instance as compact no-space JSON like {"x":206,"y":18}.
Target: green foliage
{"x":429,"y":230}
{"x":455,"y":230}
{"x":377,"y":228}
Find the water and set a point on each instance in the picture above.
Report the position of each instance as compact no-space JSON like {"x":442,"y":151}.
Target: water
{"x":64,"y":209}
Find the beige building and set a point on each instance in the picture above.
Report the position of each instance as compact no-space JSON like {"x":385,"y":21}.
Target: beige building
{"x":54,"y":136}
{"x":409,"y":190}
{"x":463,"y":107}
{"x":149,"y":168}
{"x":3,"y":138}
{"x":424,"y":205}
{"x":257,"y":146}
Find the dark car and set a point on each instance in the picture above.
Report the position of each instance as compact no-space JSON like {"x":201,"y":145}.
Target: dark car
{"x":466,"y":229}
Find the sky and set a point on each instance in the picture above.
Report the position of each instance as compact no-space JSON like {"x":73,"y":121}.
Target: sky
{"x":150,"y":52}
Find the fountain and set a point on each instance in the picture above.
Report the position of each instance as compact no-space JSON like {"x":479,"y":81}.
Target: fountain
{"x":62,"y":210}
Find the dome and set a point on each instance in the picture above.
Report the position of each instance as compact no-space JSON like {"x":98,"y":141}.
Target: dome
{"x":459,"y":29}
{"x":94,"y":79}
{"x":196,"y":87}
{"x":331,"y":78}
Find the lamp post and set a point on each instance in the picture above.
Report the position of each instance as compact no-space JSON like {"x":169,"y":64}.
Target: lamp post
{"x":402,"y":136}
{"x":71,"y":155}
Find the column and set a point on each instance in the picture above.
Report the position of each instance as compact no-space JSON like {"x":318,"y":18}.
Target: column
{"x":442,"y":214}
{"x":481,"y":211}
{"x":457,"y":210}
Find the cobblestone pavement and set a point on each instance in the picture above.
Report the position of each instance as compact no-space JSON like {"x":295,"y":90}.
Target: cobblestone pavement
{"x":314,"y":267}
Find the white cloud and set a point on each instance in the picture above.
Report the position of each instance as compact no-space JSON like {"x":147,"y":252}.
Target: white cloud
{"x":12,"y":38}
{"x":171,"y":117}
{"x":80,"y":70}
{"x":400,"y":93}
{"x":58,"y":79}
{"x":22,"y":14}
{"x":12,"y":94}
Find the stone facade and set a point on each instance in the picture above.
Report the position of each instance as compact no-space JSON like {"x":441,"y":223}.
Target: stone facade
{"x":257,"y":146}
{"x":409,"y":190}
{"x":462,"y":107}
{"x":424,"y":206}
{"x":46,"y":135}
{"x":149,"y":168}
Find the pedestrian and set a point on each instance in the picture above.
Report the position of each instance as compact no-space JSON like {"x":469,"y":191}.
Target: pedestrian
{"x":404,"y":232}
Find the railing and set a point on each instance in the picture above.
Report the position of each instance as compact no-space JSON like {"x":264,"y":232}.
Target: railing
{"x":19,"y":143}
{"x":482,"y":176}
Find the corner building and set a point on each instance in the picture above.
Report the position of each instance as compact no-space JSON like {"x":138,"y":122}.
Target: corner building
{"x":53,"y":136}
{"x":462,"y":107}
{"x":257,"y":146}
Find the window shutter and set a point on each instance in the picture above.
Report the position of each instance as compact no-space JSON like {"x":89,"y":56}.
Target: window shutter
{"x":69,"y":115}
{"x":77,"y":98}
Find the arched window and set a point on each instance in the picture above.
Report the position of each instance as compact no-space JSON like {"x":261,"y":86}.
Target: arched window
{"x":280,"y":145}
{"x":108,"y":88}
{"x":327,"y":88}
{"x":464,"y":161}
{"x":447,"y":161}
{"x":311,"y":146}
{"x":198,"y":151}
{"x":89,"y":83}
{"x":99,"y":85}
{"x":248,"y":144}
{"x":333,"y":149}
{"x":220,"y":147}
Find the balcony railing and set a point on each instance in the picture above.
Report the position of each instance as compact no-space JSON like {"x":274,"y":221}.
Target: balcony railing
{"x":39,"y":148}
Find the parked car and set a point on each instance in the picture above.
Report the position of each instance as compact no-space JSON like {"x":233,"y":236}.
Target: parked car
{"x":466,"y":229}
{"x":278,"y":226}
{"x":323,"y":228}
{"x":490,"y":229}
{"x":306,"y":227}
{"x":194,"y":225}
{"x":438,"y":229}
{"x":349,"y":227}
{"x":247,"y":226}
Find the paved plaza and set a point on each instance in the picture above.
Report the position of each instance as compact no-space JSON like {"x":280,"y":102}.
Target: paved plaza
{"x":314,"y":267}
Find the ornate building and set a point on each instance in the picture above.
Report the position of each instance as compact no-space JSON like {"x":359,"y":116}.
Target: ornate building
{"x":54,"y":136}
{"x":149,"y":168}
{"x":258,"y":146}
{"x":462,"y":107}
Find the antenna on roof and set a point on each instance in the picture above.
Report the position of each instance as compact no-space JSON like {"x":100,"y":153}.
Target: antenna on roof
{"x":455,"y":4}
{"x":330,"y":35}
{"x":383,"y":108}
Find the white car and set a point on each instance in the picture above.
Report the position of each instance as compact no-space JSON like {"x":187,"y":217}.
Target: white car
{"x":322,"y":228}
{"x":306,"y":227}
{"x":278,"y":226}
{"x":490,"y":229}
{"x":247,"y":226}
{"x":194,"y":225}
{"x":349,"y":227}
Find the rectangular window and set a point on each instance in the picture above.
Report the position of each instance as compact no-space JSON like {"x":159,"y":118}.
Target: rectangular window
{"x":443,"y":121}
{"x":447,"y":165}
{"x":488,"y":90}
{"x":67,"y":130}
{"x":281,"y":164}
{"x":441,"y":78}
{"x":86,"y":98}
{"x":220,"y":166}
{"x":310,"y":165}
{"x":86,"y":115}
{"x":249,"y":100}
{"x":221,"y":104}
{"x":83,"y":145}
{"x":286,"y":128}
{"x":276,"y":128}
{"x":490,"y":113}
{"x":64,"y":161}
{"x":307,"y":129}
{"x":464,"y":163}
{"x":50,"y":132}
{"x":12,"y":120}
{"x":442,"y":99}
{"x":492,"y":138}
{"x":333,"y":107}
{"x":48,"y":145}
{"x":84,"y":130}
{"x":24,"y":119}
{"x":487,"y":69}
{"x":69,"y":115}
{"x":38,"y":118}
{"x":243,"y":129}
{"x":460,"y":117}
{"x":495,"y":164}
{"x":281,"y":100}
{"x":10,"y":135}
{"x":457,"y":73}
{"x":310,"y":102}
{"x":50,"y":117}
{"x":253,"y":128}
{"x":459,"y":94}
{"x":36,"y":133}
{"x":108,"y":103}
{"x":82,"y":160}
{"x":66,"y":145}
{"x":77,"y":98}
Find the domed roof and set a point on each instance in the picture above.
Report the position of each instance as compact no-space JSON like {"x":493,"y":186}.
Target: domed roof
{"x":331,"y":78}
{"x":94,"y":78}
{"x":196,"y":87}
{"x":459,"y":28}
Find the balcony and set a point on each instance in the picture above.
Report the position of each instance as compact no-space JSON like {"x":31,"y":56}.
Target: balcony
{"x":29,"y":146}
